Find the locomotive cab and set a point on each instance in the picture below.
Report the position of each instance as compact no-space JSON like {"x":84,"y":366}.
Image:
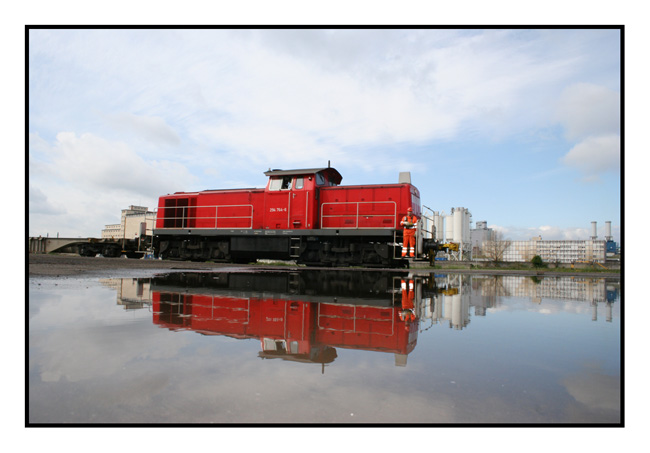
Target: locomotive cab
{"x":291,"y":200}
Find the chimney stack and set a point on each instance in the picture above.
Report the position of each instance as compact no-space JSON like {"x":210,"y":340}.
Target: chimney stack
{"x":594,"y":235}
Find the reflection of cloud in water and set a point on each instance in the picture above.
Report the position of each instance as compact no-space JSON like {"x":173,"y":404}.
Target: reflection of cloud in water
{"x":598,"y":392}
{"x":98,"y":352}
{"x":286,"y":394}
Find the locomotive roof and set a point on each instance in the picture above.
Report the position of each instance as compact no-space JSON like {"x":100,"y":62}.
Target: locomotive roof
{"x":333,"y":174}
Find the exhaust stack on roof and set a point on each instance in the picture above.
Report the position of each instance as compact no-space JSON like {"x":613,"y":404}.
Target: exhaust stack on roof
{"x":404,"y":177}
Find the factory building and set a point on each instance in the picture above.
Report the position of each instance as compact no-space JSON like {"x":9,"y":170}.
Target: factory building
{"x":592,"y":250}
{"x":480,"y":235}
{"x":556,"y":251}
{"x":136,"y":221}
{"x":551,"y":251}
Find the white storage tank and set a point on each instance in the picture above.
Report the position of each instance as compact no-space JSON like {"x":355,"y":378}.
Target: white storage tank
{"x":439,"y":224}
{"x":458,"y":225}
{"x":461,"y":225}
{"x":449,"y":227}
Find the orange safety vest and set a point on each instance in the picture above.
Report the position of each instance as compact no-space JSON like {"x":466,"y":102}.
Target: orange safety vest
{"x":412,"y":219}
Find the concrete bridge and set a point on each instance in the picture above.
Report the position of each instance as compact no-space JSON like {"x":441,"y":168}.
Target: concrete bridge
{"x":48,"y":245}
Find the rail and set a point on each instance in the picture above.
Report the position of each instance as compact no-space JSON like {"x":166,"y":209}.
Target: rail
{"x":185,"y":220}
{"x":357,"y":213}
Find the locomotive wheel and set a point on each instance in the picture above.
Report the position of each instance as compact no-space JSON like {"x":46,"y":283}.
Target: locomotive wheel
{"x":86,"y":250}
{"x":111,"y":252}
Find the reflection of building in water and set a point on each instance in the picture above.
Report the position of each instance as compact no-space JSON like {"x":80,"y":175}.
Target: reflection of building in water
{"x":588,"y":290}
{"x":456,"y":294}
{"x":570,"y":288}
{"x":132,"y":293}
{"x":444,"y":300}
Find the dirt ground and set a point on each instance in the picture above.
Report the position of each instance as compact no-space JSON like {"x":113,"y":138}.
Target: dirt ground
{"x":67,"y":265}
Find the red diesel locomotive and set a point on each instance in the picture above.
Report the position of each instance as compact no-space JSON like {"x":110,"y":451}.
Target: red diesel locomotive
{"x":301,"y":215}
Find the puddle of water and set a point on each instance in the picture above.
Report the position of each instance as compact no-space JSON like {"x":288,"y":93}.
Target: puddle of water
{"x":324,"y":347}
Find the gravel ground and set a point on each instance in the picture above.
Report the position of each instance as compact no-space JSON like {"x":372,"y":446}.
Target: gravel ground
{"x":66,"y":265}
{"x":69,"y":265}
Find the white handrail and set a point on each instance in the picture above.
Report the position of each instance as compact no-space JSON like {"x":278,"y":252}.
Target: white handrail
{"x":354,"y":318}
{"x":356,"y":216}
{"x":186,"y":218}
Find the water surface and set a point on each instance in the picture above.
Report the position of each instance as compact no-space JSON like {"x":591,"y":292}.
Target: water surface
{"x":324,"y":347}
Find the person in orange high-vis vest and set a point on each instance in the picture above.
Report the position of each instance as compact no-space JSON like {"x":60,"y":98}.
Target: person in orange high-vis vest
{"x":408,"y":305}
{"x":410,"y":224}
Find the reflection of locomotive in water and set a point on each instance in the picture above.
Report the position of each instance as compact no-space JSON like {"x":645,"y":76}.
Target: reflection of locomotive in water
{"x":298,"y":316}
{"x":305,"y":315}
{"x":301,"y":215}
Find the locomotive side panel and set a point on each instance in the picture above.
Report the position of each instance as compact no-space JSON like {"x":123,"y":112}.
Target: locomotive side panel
{"x":211,"y":210}
{"x":366,"y":207}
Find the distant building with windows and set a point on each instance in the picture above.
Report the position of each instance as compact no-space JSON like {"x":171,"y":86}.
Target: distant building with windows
{"x":136,"y":221}
{"x":553,"y":251}
{"x":556,"y":251}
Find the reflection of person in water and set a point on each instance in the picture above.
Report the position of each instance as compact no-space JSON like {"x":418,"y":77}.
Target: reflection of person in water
{"x":408,"y":297}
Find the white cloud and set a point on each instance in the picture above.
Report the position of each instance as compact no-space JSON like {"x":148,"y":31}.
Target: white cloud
{"x":595,"y":155}
{"x":39,"y":203}
{"x":591,"y":115}
{"x":587,"y":110}
{"x":151,"y":128}
{"x":104,"y":165}
{"x":342,"y":87}
{"x":80,"y":183}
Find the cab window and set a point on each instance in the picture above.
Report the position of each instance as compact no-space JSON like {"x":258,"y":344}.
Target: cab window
{"x":299,"y":183}
{"x":321,"y":180}
{"x":280,"y":183}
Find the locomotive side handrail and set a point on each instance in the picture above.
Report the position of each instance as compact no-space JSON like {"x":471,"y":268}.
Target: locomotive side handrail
{"x":356,"y":215}
{"x":354,"y":318}
{"x":185,"y":218}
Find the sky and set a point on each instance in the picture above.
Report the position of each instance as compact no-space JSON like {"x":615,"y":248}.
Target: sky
{"x":520,"y":126}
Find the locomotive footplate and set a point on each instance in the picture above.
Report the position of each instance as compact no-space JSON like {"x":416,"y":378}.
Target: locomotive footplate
{"x":335,"y":247}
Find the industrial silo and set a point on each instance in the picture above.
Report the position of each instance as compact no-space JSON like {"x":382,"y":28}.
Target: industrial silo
{"x":437,"y":223}
{"x":461,"y":232}
{"x":449,"y":227}
{"x":458,"y":225}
